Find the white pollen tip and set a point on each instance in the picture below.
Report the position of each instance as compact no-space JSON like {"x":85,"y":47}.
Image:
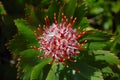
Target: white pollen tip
{"x":67,"y":66}
{"x":68,"y":57}
{"x":85,"y":40}
{"x":75,"y":60}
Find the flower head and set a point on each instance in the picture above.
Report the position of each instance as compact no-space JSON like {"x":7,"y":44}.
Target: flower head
{"x":59,"y":41}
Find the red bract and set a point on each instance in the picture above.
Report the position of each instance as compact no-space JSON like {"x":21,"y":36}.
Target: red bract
{"x":59,"y":41}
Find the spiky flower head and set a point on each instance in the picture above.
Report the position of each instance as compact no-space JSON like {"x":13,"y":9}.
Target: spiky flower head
{"x":59,"y":40}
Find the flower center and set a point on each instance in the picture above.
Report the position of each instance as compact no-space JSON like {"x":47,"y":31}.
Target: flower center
{"x":59,"y":41}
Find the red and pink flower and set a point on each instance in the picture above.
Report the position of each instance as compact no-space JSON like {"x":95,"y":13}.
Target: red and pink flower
{"x":59,"y":40}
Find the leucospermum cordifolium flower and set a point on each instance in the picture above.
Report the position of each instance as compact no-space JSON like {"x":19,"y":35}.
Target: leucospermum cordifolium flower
{"x":59,"y":40}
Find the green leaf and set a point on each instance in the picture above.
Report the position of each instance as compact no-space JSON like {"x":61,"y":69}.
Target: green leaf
{"x":17,"y":44}
{"x":27,"y":73}
{"x":24,"y":30}
{"x":31,"y":15}
{"x":28,"y":58}
{"x":24,"y":39}
{"x":97,"y":76}
{"x":2,"y":10}
{"x":96,"y":35}
{"x":69,"y":8}
{"x":75,"y":8}
{"x":96,"y":10}
{"x":83,"y":24}
{"x":36,"y":72}
{"x":96,"y":45}
{"x":80,"y":11}
{"x":116,"y":6}
{"x":53,"y":8}
{"x":106,"y":56}
{"x":107,"y":70}
{"x":108,"y":24}
{"x":89,"y":72}
{"x":115,"y":44}
{"x":44,"y":3}
{"x":53,"y":75}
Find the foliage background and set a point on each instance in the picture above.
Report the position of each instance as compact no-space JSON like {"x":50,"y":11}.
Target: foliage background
{"x":101,"y":59}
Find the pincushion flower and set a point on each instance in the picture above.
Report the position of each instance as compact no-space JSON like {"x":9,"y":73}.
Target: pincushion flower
{"x":59,"y":40}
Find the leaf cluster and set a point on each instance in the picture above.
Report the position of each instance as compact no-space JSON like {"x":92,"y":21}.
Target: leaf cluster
{"x":99,"y":61}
